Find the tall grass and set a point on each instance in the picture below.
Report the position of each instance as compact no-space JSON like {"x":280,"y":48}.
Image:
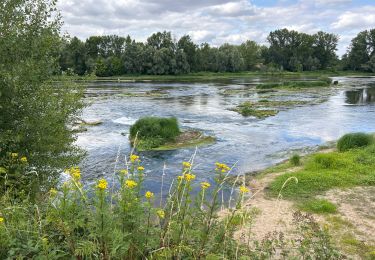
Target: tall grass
{"x":354,"y":140}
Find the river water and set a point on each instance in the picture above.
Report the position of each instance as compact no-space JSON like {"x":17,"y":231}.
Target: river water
{"x":248,"y":143}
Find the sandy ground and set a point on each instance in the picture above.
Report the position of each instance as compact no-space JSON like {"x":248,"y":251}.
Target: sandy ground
{"x":355,"y":217}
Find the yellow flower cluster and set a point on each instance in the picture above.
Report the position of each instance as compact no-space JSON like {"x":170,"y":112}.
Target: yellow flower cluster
{"x":1,"y":220}
{"x":205,"y":185}
{"x":102,"y":184}
{"x":124,"y":171}
{"x":53,"y":192}
{"x":186,"y":165}
{"x":244,"y":189}
{"x":160,"y":213}
{"x":222,"y":167}
{"x":141,"y":168}
{"x":149,"y":195}
{"x":74,"y":172}
{"x":23,"y":159}
{"x":130,"y":184}
{"x":14,"y":155}
{"x":134,"y":158}
{"x":189,"y":177}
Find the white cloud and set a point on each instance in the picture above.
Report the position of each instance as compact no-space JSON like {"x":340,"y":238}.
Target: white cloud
{"x":356,"y":19}
{"x":215,"y":21}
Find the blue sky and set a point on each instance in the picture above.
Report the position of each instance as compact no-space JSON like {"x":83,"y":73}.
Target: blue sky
{"x":217,"y":21}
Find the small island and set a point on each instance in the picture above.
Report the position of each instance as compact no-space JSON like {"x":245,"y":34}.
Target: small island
{"x":163,"y":134}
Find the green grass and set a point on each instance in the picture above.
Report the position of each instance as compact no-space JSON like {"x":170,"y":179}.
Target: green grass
{"x":212,"y":76}
{"x":152,"y":132}
{"x":319,"y":206}
{"x":295,"y":160}
{"x":322,"y":172}
{"x":321,"y":82}
{"x":354,"y":140}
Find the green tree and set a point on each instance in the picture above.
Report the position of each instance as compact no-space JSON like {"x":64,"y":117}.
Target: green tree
{"x":35,"y":112}
{"x":73,"y":56}
{"x":251,"y":54}
{"x":325,"y":47}
{"x":190,"y":49}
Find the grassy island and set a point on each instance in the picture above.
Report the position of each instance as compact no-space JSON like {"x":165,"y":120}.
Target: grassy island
{"x":156,"y":133}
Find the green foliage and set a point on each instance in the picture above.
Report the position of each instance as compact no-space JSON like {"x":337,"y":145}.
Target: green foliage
{"x":151,"y":132}
{"x":296,"y":51}
{"x":354,"y":140}
{"x":295,"y":160}
{"x":326,"y":171}
{"x":35,"y":112}
{"x":73,"y":222}
{"x":319,"y":206}
{"x":361,"y":52}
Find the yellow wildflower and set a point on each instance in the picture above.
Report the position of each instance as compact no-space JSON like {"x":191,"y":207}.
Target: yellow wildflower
{"x":74,"y":172}
{"x":102,"y":184}
{"x":160,"y":213}
{"x":53,"y":192}
{"x":189,"y":177}
{"x":1,"y":220}
{"x":205,"y":185}
{"x":124,"y":171}
{"x":130,"y":184}
{"x":243,"y":189}
{"x":14,"y":155}
{"x":186,"y":164}
{"x":141,"y":168}
{"x":180,"y":177}
{"x":222,"y":167}
{"x":134,"y":158}
{"x":23,"y":159}
{"x":149,"y":195}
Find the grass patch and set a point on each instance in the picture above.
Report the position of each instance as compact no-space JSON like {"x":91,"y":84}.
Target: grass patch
{"x":295,"y":160}
{"x":152,"y":132}
{"x":249,"y":109}
{"x":326,"y":171}
{"x":321,"y":82}
{"x":354,"y":140}
{"x":319,"y":206}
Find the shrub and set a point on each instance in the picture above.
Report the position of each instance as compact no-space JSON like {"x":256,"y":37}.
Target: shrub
{"x":319,"y":206}
{"x":152,"y":132}
{"x":354,"y":140}
{"x":295,"y":160}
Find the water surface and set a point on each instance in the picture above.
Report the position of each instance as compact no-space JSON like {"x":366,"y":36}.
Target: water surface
{"x":249,"y":143}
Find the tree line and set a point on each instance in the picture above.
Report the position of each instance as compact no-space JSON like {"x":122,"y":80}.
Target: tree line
{"x":162,"y":54}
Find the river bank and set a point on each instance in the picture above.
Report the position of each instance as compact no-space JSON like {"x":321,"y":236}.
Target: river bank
{"x":218,"y":76}
{"x":345,"y":208}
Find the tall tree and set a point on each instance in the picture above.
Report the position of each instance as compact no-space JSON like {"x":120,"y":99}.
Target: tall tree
{"x":35,"y":112}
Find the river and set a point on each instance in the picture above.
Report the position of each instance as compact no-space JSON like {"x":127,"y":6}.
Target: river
{"x":248,"y":143}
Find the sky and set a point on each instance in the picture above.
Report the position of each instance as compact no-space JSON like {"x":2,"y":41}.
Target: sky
{"x":217,"y":21}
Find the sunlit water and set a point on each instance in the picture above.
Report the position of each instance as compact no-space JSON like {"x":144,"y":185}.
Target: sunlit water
{"x":248,"y":143}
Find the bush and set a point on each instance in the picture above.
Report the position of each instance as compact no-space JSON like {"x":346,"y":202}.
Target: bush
{"x":152,"y":132}
{"x":354,"y":140}
{"x":295,"y":160}
{"x":319,"y":206}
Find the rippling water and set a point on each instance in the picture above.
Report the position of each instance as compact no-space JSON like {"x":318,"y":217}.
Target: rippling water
{"x":250,"y":143}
